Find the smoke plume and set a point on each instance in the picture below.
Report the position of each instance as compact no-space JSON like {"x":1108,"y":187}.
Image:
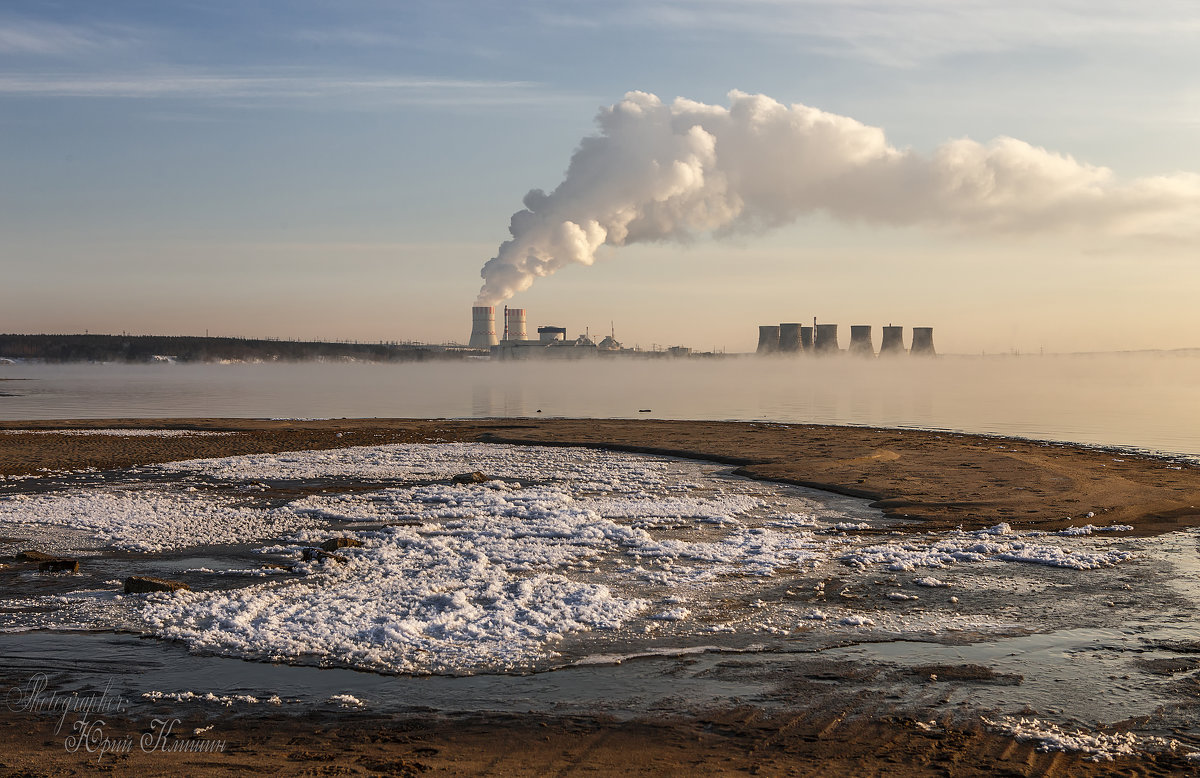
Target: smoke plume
{"x":671,"y":172}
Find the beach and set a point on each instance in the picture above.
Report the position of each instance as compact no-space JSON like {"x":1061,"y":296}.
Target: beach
{"x":819,"y":717}
{"x":942,"y":479}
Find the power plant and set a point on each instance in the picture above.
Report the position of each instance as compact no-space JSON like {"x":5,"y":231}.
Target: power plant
{"x":822,"y":339}
{"x":551,"y":341}
{"x":789,"y":338}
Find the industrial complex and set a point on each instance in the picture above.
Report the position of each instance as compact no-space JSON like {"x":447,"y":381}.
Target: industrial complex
{"x":789,"y":338}
{"x":822,"y":339}
{"x":551,"y":342}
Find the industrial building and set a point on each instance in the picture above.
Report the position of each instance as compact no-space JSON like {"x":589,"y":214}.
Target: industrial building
{"x":822,"y":339}
{"x":551,"y":341}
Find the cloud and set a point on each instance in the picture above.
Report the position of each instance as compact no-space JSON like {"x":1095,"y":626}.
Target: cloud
{"x":50,"y":39}
{"x":672,"y":172}
{"x":293,"y":84}
{"x":908,"y":32}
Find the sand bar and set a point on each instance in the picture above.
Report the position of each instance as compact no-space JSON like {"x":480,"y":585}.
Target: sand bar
{"x":942,"y":479}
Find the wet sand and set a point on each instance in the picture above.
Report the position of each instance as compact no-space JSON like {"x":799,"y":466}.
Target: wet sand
{"x":733,"y":742}
{"x":942,"y":479}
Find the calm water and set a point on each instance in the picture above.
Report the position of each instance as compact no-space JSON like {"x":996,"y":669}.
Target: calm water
{"x":1141,"y":400}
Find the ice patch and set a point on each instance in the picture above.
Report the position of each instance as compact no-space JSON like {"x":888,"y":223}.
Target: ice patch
{"x":404,"y":603}
{"x":856,"y":621}
{"x":1101,"y":745}
{"x":226,"y":700}
{"x":570,"y":552}
{"x":1088,"y":529}
{"x":149,"y":520}
{"x":978,"y":546}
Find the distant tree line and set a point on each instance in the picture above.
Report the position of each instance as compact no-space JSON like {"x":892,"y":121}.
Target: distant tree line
{"x":151,"y":348}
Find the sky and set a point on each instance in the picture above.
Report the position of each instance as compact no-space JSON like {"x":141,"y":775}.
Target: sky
{"x":343,"y":170}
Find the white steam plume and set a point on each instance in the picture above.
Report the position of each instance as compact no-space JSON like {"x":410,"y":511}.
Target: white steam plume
{"x":670,"y":172}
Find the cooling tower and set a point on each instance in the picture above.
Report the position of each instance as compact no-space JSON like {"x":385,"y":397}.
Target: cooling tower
{"x":768,"y":338}
{"x":922,"y":342}
{"x":514,"y":324}
{"x":893,"y":341}
{"x":789,"y":338}
{"x":826,"y":339}
{"x":860,"y":340}
{"x":806,"y":338}
{"x":483,"y":326}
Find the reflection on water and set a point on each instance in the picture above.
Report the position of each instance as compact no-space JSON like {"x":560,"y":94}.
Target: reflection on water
{"x":1142,"y":400}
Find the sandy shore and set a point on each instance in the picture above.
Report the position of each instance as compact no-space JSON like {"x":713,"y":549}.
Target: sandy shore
{"x":944,"y":480}
{"x":734,"y":742}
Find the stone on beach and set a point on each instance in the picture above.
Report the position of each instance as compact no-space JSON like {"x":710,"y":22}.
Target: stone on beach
{"x":48,"y":563}
{"x":139,"y":584}
{"x":63,"y":565}
{"x":35,"y":556}
{"x":314,"y":554}
{"x":333,"y":544}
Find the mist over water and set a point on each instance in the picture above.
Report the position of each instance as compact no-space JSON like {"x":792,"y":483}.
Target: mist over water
{"x":1142,"y":400}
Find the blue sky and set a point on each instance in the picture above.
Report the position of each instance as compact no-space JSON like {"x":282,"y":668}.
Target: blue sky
{"x":343,"y":169}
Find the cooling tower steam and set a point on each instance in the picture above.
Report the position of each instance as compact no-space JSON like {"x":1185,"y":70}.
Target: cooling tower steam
{"x":658,"y":172}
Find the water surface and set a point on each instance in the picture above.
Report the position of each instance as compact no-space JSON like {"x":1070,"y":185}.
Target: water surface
{"x":1143,"y":400}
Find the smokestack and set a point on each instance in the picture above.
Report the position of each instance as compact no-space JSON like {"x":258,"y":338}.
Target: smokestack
{"x":922,"y":342}
{"x":806,"y":338}
{"x":893,"y":341}
{"x":483,"y":326}
{"x":768,"y":338}
{"x":860,"y":340}
{"x":826,"y":339}
{"x":514,"y":323}
{"x":789,"y":338}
